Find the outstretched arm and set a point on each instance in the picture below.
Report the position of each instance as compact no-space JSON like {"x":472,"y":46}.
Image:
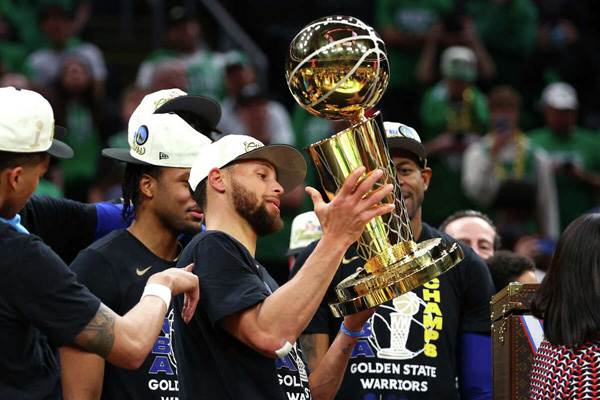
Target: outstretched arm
{"x":126,"y":341}
{"x":279,"y":320}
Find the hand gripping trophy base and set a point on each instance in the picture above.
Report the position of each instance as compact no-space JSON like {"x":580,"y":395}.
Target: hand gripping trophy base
{"x":364,"y":290}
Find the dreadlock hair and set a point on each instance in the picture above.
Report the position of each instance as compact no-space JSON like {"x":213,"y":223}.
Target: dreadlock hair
{"x":131,"y":187}
{"x":10,"y":159}
{"x":472,"y":213}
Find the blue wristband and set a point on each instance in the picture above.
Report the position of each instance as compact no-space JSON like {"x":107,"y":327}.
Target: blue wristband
{"x":348,"y":332}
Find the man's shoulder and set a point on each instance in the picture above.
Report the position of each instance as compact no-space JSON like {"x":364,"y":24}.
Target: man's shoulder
{"x":115,"y":240}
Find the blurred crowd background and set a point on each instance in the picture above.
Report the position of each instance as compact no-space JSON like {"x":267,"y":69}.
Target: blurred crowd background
{"x":504,"y":93}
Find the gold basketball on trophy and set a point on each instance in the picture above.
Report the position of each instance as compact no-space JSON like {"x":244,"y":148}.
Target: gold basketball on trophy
{"x":337,"y":68}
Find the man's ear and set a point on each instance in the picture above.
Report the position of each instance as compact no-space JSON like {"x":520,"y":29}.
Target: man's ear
{"x":217,"y":179}
{"x":12,"y":176}
{"x":148,"y":185}
{"x":426,"y":176}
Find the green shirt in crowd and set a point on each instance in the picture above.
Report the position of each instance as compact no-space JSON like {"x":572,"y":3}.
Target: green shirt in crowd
{"x":580,"y":149}
{"x":408,"y":17}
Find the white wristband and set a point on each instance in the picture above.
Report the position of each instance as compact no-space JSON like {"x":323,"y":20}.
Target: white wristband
{"x":282,"y":352}
{"x":155,"y":289}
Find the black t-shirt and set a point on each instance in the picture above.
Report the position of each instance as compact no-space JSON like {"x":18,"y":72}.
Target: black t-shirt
{"x":116,"y":268}
{"x":212,"y":363}
{"x":408,"y":350}
{"x":66,"y":226}
{"x":41,"y":305}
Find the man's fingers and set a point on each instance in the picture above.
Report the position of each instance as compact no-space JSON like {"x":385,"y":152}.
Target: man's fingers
{"x":189,"y":268}
{"x":375,"y":196}
{"x":191,"y":299}
{"x":351,"y":181}
{"x":315,"y":196}
{"x":377,"y":210}
{"x":367,"y":183}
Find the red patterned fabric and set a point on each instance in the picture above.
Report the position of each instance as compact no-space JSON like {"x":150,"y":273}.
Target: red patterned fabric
{"x":561,"y":373}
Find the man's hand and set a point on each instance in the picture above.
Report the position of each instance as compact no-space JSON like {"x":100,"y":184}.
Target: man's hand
{"x":345,"y":217}
{"x":181,"y":280}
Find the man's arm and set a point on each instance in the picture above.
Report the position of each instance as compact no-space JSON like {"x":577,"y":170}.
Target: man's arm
{"x":327,"y":377}
{"x":82,"y":374}
{"x":277,"y":322}
{"x":315,"y":346}
{"x":126,"y":341}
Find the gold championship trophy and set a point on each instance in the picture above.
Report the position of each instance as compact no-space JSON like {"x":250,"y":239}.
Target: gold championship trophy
{"x":337,"y":68}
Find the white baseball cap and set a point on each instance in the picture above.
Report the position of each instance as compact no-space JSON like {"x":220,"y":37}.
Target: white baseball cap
{"x":162,"y":140}
{"x":306,"y":228}
{"x":459,"y":63}
{"x":288,"y":162}
{"x":176,"y":100}
{"x":561,"y":96}
{"x":27,"y":124}
{"x":404,"y":137}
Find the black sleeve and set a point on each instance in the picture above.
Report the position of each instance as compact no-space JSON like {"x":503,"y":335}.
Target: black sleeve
{"x":95,"y":272}
{"x":47,"y":293}
{"x":477,"y":294}
{"x":66,"y":226}
{"x":228,"y":280}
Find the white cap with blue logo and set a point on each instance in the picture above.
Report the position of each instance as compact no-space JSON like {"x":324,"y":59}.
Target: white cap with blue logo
{"x":404,"y":137}
{"x":162,"y":140}
{"x":306,"y":228}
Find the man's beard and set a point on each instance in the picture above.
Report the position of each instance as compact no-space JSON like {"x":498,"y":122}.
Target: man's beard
{"x":257,"y":215}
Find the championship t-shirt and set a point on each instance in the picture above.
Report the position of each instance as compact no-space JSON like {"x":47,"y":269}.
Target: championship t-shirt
{"x":42,"y":307}
{"x":116,"y":268}
{"x":408,"y":348}
{"x":212,"y":363}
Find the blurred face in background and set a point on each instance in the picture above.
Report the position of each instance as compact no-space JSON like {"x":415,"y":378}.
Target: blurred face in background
{"x":184,"y":35}
{"x":56,"y":25}
{"x":560,"y":121}
{"x":75,"y":76}
{"x":504,"y":118}
{"x":475,"y":233}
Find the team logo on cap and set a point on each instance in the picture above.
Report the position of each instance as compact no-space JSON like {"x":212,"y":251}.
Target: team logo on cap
{"x":249,"y":146}
{"x":408,"y":132}
{"x":139,"y":139}
{"x":163,"y":100}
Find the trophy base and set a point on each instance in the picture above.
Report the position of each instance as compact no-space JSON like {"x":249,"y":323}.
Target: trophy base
{"x":364,"y":290}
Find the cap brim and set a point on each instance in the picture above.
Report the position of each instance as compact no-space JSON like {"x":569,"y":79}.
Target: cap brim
{"x":60,"y":150}
{"x":59,"y":131}
{"x":122,"y":155}
{"x":408,"y":144}
{"x":287,"y":160}
{"x":204,"y":107}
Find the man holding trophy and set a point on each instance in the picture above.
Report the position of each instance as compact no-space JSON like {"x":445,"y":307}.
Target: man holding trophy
{"x":242,"y":342}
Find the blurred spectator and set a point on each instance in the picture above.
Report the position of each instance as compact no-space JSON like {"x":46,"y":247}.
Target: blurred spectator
{"x":508,"y":29}
{"x":24,"y":17}
{"x":573,"y":151}
{"x":77,"y":109}
{"x":567,"y":49}
{"x":404,"y":25}
{"x":205,"y":69}
{"x":506,"y":267}
{"x":504,"y":171}
{"x":56,"y":21}
{"x":169,"y":74}
{"x":306,"y":228}
{"x":474,"y":229}
{"x":456,"y":30}
{"x":16,"y":80}
{"x":453,"y":115}
{"x":254,"y":114}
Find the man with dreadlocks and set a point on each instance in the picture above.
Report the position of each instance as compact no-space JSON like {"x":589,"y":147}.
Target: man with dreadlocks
{"x":116,"y":267}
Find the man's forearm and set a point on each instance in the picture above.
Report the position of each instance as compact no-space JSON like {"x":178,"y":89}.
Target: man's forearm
{"x":326,"y":379}
{"x":82,"y":374}
{"x":124,"y":341}
{"x":284,"y":315}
